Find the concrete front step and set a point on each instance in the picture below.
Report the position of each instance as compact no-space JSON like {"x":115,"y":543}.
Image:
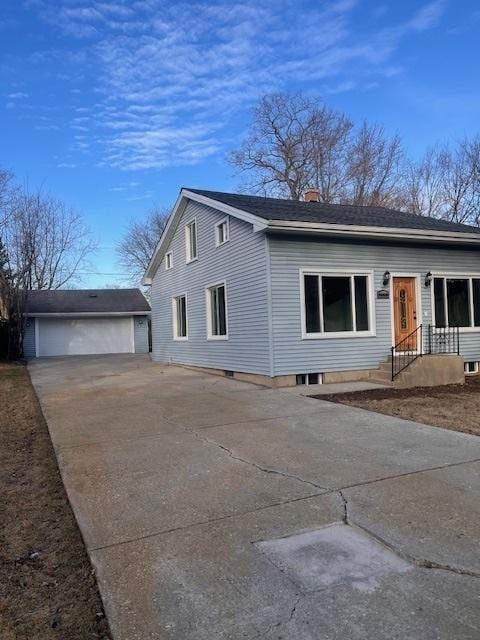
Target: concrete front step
{"x":425,"y":371}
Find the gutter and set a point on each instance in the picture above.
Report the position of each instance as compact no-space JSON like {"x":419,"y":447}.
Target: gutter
{"x":389,"y":233}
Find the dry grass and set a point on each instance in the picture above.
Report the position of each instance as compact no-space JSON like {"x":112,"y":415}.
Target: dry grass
{"x":47,"y":587}
{"x":455,"y":407}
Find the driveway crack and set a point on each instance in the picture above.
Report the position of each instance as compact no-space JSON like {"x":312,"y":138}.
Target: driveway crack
{"x":421,"y":563}
{"x":269,"y":470}
{"x":282,"y":623}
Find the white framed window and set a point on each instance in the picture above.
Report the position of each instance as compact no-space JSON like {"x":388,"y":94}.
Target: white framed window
{"x":309,"y":378}
{"x":471,"y":367}
{"x":336,"y":304}
{"x":222,"y":232}
{"x":456,"y":301}
{"x":179,"y":317}
{"x":217,"y":312}
{"x":168,"y":260}
{"x":191,"y":249}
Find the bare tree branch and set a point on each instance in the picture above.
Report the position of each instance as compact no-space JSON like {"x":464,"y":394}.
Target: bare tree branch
{"x":140,"y":241}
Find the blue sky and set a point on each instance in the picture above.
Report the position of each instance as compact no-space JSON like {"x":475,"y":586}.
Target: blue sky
{"x":114,"y":105}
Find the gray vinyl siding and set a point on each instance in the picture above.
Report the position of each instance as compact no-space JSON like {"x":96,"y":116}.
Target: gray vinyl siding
{"x":29,"y":339}
{"x":288,"y":255}
{"x":140,"y":329}
{"x":241,"y":263}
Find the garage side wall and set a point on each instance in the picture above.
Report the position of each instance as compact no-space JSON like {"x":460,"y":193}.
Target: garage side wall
{"x":140,"y":328}
{"x":241,"y":264}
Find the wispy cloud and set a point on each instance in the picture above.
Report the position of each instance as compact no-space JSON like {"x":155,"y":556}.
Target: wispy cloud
{"x":170,"y":77}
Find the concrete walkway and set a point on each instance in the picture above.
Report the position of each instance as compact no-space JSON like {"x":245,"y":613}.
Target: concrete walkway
{"x":214,"y":509}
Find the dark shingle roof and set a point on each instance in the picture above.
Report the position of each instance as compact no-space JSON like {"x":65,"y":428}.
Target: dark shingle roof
{"x":296,"y":211}
{"x":87,"y":301}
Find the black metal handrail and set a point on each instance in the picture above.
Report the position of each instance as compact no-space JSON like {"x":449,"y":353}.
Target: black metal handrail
{"x":443,"y":339}
{"x":403,"y":354}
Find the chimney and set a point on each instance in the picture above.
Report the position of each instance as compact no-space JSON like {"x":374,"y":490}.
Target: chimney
{"x":312,"y":195}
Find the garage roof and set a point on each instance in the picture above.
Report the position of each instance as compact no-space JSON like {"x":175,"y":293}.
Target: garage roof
{"x":85,"y":301}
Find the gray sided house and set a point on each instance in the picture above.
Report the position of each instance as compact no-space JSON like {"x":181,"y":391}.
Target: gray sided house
{"x":282,"y":289}
{"x":85,"y":322}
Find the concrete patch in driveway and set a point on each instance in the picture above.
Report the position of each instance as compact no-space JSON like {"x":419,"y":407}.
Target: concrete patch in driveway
{"x":333,"y":555}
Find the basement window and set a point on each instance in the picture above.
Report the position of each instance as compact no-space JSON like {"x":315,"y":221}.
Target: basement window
{"x":309,"y":378}
{"x":471,"y":367}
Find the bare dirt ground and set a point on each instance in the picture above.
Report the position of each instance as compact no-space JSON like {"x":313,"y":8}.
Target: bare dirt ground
{"x":47,"y":587}
{"x":455,"y":407}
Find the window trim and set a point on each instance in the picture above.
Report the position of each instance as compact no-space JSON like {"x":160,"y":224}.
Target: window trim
{"x":188,"y":258}
{"x":455,"y":276}
{"x":208,"y":289}
{"x":167,"y":255}
{"x":348,"y":273}
{"x":176,"y":337}
{"x":225,"y":221}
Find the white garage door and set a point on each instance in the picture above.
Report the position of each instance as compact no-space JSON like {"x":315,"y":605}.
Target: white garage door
{"x":82,"y":336}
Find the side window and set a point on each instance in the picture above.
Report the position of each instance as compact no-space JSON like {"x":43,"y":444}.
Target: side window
{"x":191,"y":240}
{"x":222,"y":232}
{"x":179,"y":311}
{"x":168,"y":260}
{"x":217,"y":321}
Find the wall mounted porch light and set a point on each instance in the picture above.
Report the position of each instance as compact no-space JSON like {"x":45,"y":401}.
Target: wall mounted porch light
{"x":386,"y":278}
{"x":428,"y":279}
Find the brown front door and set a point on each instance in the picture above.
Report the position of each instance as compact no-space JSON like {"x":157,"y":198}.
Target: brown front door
{"x":404,"y":312}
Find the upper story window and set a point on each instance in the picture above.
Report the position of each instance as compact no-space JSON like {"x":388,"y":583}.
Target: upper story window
{"x":336,"y":304}
{"x":456,"y":301}
{"x":179,"y":311}
{"x":168,"y":260}
{"x":217,"y":322}
{"x":222,"y":232}
{"x":191,"y":240}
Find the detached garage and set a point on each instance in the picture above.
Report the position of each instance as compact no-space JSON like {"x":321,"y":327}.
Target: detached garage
{"x":86,"y":322}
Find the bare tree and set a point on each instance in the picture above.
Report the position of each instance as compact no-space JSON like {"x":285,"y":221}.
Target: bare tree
{"x":136,"y":248}
{"x":424,"y":184}
{"x":44,"y":244}
{"x":461,"y":186}
{"x":296,"y":143}
{"x":374,"y":167}
{"x":277,"y":155}
{"x":445,"y":183}
{"x":329,"y":138}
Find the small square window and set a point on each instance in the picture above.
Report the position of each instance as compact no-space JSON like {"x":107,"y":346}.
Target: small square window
{"x":471,"y":367}
{"x":222,"y":232}
{"x":168,"y":260}
{"x":309,"y":378}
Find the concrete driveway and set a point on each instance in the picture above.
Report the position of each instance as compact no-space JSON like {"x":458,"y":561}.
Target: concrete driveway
{"x":214,"y":509}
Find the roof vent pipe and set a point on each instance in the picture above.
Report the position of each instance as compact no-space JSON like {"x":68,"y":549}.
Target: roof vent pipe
{"x":312,"y":195}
